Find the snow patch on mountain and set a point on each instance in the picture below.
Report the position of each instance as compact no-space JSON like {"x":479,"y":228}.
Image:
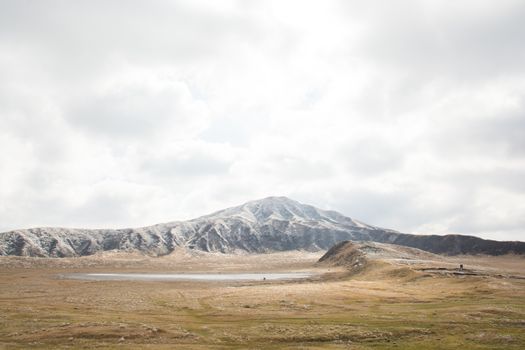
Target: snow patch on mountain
{"x":266,"y":225}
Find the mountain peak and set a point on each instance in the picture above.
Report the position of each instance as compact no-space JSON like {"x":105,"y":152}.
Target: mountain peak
{"x":279,"y":208}
{"x":282,"y":208}
{"x":273,"y":201}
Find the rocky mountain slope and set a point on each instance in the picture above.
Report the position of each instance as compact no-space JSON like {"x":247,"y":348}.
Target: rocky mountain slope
{"x":356,"y":255}
{"x":270,"y":224}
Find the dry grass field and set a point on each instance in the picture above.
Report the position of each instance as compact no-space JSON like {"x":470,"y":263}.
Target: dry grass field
{"x":387,"y":305}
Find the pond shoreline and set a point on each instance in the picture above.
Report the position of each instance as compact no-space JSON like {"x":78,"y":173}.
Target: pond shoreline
{"x":172,"y":277}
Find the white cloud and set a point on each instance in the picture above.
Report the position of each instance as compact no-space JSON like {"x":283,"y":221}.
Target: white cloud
{"x":408,"y":115}
{"x":139,"y":104}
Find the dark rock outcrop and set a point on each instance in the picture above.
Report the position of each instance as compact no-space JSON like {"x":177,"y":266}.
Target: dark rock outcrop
{"x":345,"y":253}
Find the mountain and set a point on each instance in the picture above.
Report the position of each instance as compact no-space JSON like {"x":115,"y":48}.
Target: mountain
{"x":266,"y":225}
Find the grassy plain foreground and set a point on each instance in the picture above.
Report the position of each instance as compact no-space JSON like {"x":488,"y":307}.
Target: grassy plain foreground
{"x":384,"y":306}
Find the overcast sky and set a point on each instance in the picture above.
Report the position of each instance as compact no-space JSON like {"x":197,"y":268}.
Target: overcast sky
{"x":403,"y":114}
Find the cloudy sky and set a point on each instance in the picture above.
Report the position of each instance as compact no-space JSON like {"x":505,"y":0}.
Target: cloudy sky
{"x":404,"y":114}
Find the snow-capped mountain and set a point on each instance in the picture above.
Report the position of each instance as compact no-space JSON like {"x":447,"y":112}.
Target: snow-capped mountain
{"x":266,"y":225}
{"x":270,"y":224}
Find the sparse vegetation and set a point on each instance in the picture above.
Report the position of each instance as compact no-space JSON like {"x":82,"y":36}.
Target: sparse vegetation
{"x":381,"y":307}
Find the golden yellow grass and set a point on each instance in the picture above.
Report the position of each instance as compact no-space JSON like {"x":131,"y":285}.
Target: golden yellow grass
{"x":383,"y":307}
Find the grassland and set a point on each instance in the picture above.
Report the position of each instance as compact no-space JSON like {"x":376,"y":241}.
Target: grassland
{"x":384,"y":306}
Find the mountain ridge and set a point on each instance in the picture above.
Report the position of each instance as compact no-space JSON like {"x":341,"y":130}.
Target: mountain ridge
{"x":265,"y":225}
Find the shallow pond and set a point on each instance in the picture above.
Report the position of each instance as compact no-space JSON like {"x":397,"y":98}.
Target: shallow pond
{"x":187,"y":276}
